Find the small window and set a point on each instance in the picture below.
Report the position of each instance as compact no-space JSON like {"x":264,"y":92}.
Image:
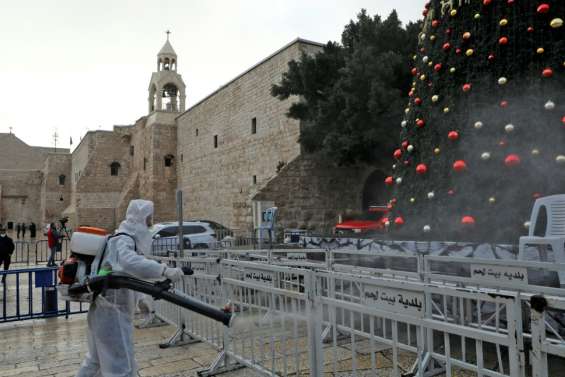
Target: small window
{"x":215,"y":141}
{"x":196,"y":132}
{"x":144,"y":164}
{"x":115,"y":168}
{"x":62,"y":179}
{"x":181,"y":157}
{"x":131,"y":150}
{"x":254,"y":179}
{"x":169,"y":160}
{"x":253,"y":126}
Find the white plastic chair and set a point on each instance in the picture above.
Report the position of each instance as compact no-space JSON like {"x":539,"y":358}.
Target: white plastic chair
{"x":554,"y":232}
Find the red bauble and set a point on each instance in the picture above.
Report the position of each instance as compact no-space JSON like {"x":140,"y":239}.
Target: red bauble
{"x":503,"y":103}
{"x":393,"y":200}
{"x":512,"y":160}
{"x":458,"y":51}
{"x":437,"y":67}
{"x":420,"y":123}
{"x":453,"y":135}
{"x":451,"y":192}
{"x":399,"y":221}
{"x":487,"y":2}
{"x":448,"y":31}
{"x":530,"y":29}
{"x":404,"y":144}
{"x":397,"y":154}
{"x":503,"y":41}
{"x":548,"y":72}
{"x":414,"y":71}
{"x":418,"y":101}
{"x":422,"y":50}
{"x":435,"y":23}
{"x":491,"y":57}
{"x":510,"y":2}
{"x":468,"y":220}
{"x":411,"y":93}
{"x":459,"y":166}
{"x":543,"y":8}
{"x":421,"y":169}
{"x":446,"y":46}
{"x":467,"y":87}
{"x":563,"y":120}
{"x":389,"y":181}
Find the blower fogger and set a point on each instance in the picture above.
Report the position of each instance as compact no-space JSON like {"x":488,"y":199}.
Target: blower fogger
{"x":81,"y":278}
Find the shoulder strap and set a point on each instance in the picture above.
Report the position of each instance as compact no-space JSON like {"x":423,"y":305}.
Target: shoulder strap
{"x":106,"y":246}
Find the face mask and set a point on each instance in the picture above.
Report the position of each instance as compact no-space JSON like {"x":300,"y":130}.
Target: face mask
{"x":2,"y":234}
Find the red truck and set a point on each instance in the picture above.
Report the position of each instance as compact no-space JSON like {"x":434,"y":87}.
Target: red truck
{"x":373,"y":221}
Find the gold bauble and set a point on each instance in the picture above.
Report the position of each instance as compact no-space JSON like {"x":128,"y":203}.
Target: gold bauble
{"x":503,"y":22}
{"x":540,"y":50}
{"x":437,"y":151}
{"x":453,"y":13}
{"x":469,"y":52}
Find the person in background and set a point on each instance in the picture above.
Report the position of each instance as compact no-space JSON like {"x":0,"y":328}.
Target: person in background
{"x":18,"y":229}
{"x":32,"y":230}
{"x":53,"y":243}
{"x":110,"y":317}
{"x":6,"y":250}
{"x":24,"y":228}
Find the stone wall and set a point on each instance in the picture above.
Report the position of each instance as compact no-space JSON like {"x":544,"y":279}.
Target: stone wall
{"x":311,"y":193}
{"x":17,"y":155}
{"x":20,"y":200}
{"x":56,"y":187}
{"x":218,"y":182}
{"x":96,"y":192}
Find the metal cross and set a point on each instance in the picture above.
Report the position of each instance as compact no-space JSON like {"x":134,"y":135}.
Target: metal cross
{"x":10,"y":129}
{"x":168,"y":32}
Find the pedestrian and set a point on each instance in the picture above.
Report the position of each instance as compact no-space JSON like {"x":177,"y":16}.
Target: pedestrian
{"x":110,"y":317}
{"x":18,"y":229}
{"x":24,"y":226}
{"x":6,"y":250}
{"x":32,"y":230}
{"x":53,"y":243}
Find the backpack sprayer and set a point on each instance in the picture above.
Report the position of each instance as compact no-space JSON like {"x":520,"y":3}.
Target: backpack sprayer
{"x":82,"y":279}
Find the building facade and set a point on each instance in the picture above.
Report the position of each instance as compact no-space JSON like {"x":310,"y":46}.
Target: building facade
{"x":232,"y":154}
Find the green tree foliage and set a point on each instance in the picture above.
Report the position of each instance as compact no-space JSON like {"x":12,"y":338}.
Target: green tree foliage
{"x":354,"y":92}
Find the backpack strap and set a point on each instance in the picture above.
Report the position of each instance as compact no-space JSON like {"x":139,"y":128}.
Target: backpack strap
{"x":106,"y":246}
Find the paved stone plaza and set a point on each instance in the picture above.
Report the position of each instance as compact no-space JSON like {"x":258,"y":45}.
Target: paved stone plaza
{"x":56,"y":347}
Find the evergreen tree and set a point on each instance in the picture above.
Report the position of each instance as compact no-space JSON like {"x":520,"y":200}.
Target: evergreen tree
{"x":484,"y":131}
{"x":352,"y":93}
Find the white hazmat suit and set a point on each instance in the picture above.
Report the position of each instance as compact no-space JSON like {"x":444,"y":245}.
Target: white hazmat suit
{"x":110,"y":317}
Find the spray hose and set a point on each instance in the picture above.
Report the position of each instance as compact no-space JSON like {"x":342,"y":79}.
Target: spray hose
{"x":159,"y":290}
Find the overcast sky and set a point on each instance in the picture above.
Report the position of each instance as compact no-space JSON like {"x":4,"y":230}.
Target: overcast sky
{"x":78,"y":65}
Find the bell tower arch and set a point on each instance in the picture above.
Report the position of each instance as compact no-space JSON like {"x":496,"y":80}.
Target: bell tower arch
{"x":167,"y":91}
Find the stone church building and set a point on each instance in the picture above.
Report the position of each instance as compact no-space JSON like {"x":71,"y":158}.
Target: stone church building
{"x":233,"y":153}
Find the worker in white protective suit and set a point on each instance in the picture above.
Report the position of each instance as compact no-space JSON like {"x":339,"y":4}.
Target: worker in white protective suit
{"x":110,"y":317}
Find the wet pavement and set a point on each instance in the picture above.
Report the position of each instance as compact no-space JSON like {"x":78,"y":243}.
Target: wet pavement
{"x":56,"y":347}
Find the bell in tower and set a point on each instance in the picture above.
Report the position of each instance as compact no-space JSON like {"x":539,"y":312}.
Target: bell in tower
{"x":167,"y":89}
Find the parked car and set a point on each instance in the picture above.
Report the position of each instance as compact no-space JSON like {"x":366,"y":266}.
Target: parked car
{"x":373,"y":221}
{"x":196,"y":235}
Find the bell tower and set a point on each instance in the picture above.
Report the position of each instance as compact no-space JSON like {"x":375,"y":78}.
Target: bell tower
{"x":166,"y":89}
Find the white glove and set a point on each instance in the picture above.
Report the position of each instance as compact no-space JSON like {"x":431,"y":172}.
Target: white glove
{"x":173,"y":274}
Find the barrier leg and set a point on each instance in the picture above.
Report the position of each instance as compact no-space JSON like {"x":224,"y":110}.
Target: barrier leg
{"x":179,"y":338}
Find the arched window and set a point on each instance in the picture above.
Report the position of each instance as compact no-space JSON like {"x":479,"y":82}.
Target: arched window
{"x":115,"y":168}
{"x":62,"y":179}
{"x":169,"y":160}
{"x":170,"y":101}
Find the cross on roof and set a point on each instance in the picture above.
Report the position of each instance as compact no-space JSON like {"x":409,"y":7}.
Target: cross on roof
{"x":168,"y":32}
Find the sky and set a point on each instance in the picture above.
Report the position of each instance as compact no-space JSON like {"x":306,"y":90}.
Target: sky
{"x":70,"y":66}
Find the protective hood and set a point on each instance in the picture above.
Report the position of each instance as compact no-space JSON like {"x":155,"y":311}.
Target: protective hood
{"x":135,"y":223}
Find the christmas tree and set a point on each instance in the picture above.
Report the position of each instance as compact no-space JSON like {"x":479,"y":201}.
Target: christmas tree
{"x":484,"y":131}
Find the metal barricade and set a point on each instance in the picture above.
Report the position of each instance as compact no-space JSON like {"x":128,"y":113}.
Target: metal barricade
{"x":30,"y":294}
{"x":42,"y":251}
{"x":21,"y":252}
{"x":331,"y":312}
